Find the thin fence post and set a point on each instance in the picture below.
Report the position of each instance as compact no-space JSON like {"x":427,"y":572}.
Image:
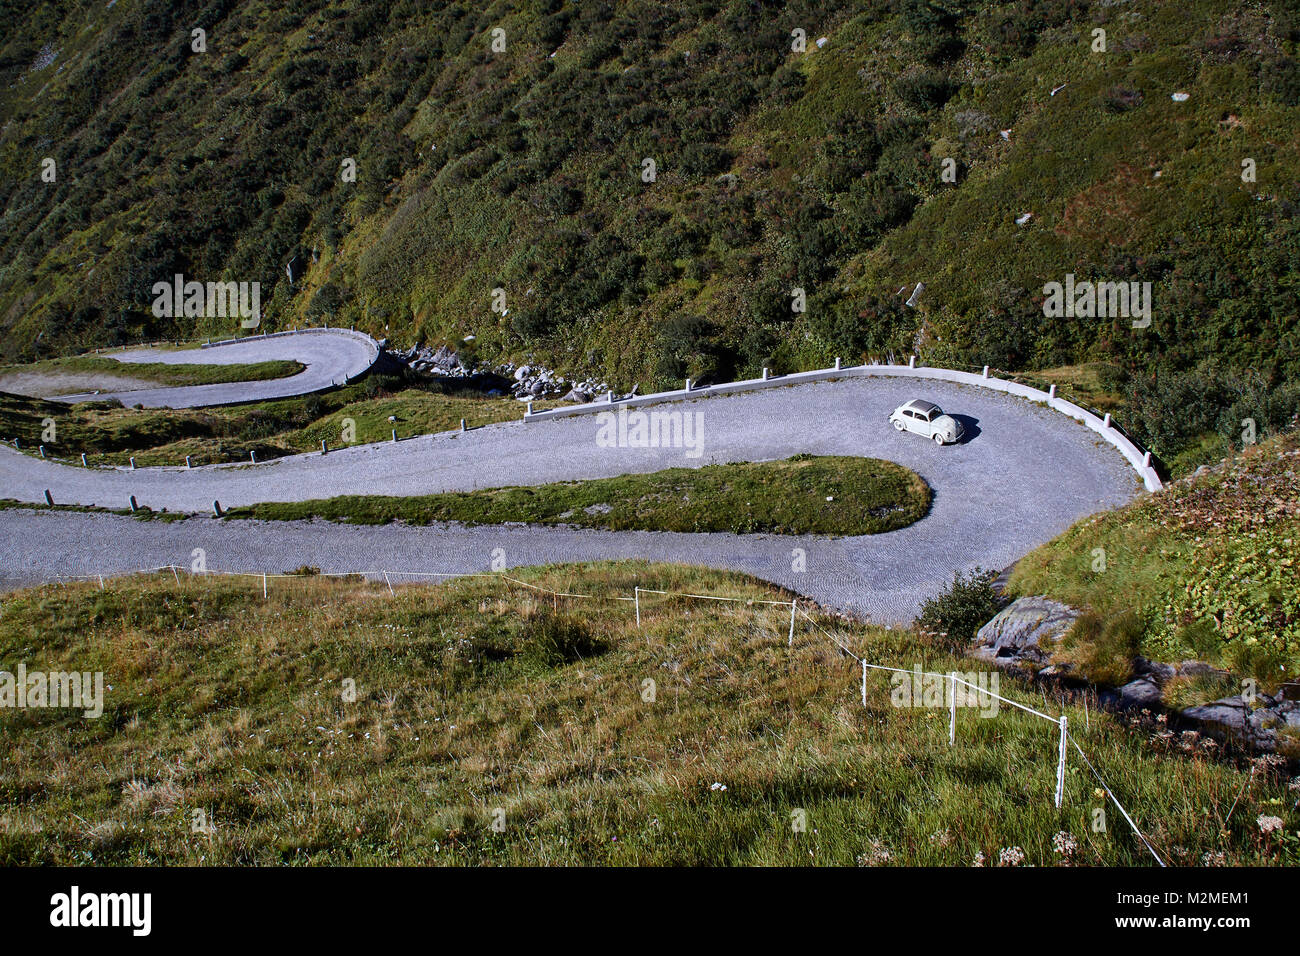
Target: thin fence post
{"x":793,"y":606}
{"x":263,"y":587}
{"x":390,"y":584}
{"x":101,"y":582}
{"x":864,"y":681}
{"x":636,"y":597}
{"x":952,"y":709}
{"x":176,"y":575}
{"x":1060,"y":767}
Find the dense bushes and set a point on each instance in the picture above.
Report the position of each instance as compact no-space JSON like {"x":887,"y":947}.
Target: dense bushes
{"x":962,"y":608}
{"x":776,"y":170}
{"x":1171,"y":410}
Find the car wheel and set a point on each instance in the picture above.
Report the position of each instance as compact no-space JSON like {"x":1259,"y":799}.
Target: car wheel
{"x":898,"y":426}
{"x":938,"y":439}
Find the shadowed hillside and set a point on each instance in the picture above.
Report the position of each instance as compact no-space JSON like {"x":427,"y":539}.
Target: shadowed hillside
{"x":524,"y":169}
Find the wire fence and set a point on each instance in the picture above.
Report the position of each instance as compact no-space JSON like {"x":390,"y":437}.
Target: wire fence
{"x":952,"y":678}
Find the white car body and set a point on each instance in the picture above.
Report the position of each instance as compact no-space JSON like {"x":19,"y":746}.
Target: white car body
{"x":928,"y":420}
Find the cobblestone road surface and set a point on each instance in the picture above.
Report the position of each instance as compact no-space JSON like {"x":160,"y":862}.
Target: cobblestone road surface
{"x":1023,"y":474}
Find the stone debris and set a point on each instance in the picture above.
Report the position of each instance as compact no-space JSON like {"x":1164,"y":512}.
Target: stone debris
{"x":528,"y":382}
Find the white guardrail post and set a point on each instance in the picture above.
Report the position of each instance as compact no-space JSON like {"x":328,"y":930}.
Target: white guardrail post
{"x":1060,"y":766}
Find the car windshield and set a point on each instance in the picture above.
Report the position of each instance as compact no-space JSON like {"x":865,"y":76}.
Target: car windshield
{"x":934,"y":413}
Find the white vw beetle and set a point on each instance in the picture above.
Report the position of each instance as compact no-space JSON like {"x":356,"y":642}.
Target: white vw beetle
{"x":928,"y":419}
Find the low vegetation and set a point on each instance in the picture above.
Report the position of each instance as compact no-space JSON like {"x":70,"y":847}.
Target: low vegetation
{"x":806,"y":494}
{"x":54,"y":372}
{"x":495,"y":724}
{"x":110,"y":434}
{"x":1205,"y":569}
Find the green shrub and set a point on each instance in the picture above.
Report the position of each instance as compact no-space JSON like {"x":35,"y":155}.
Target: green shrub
{"x":924,"y":90}
{"x":554,"y":639}
{"x":962,"y":608}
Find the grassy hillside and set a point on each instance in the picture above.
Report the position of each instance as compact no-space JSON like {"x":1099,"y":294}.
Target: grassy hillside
{"x":482,"y":695}
{"x":822,"y":170}
{"x":1205,"y":570}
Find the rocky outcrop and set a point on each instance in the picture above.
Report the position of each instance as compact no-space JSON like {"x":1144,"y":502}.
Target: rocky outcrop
{"x":528,"y":382}
{"x":1267,"y":723}
{"x":1023,"y":637}
{"x":1024,"y":632}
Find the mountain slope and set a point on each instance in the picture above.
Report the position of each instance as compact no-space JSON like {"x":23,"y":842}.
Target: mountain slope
{"x":524,"y":169}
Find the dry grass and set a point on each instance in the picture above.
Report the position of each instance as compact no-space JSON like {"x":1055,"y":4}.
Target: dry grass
{"x":479,"y":696}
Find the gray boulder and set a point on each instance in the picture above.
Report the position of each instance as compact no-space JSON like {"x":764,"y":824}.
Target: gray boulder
{"x":1140,"y":693}
{"x":1229,"y":713}
{"x":1024,"y":631}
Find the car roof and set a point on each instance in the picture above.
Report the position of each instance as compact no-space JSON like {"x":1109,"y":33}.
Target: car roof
{"x":922,"y":406}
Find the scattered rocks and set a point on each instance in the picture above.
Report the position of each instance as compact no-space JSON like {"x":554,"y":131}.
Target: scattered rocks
{"x":528,"y":382}
{"x":1022,"y":635}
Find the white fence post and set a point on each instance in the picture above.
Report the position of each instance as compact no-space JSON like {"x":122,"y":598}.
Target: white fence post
{"x":389,"y":583}
{"x":1060,"y":767}
{"x":952,"y":710}
{"x":793,"y":606}
{"x":864,"y":682}
{"x":636,"y":596}
{"x":263,"y":587}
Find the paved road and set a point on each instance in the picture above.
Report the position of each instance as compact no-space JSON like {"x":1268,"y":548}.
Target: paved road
{"x":329,"y":356}
{"x":1025,"y":474}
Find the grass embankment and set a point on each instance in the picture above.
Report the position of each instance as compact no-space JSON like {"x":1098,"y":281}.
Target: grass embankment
{"x":159,"y":373}
{"x":110,"y":434}
{"x":478,"y":694}
{"x":1205,"y":569}
{"x":836,"y":495}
